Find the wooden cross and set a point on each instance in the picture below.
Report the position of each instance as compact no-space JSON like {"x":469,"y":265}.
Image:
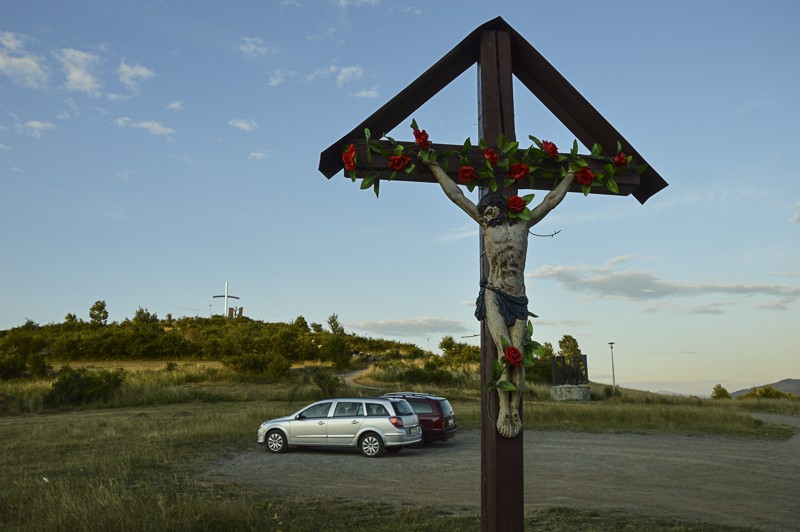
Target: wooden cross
{"x":500,"y":53}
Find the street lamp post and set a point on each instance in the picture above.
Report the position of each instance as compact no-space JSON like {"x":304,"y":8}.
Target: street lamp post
{"x":613,"y":376}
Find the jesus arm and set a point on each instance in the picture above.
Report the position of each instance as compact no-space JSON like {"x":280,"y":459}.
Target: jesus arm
{"x":551,"y":200}
{"x":453,"y":191}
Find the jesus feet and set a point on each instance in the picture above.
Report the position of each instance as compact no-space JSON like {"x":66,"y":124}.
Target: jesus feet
{"x":508,"y":423}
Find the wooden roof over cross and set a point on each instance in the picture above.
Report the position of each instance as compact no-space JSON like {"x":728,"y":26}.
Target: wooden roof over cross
{"x":536,"y":74}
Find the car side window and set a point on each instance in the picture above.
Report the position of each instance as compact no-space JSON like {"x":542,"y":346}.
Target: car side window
{"x":317,"y":411}
{"x":348,"y":409}
{"x":421,"y":407}
{"x":376,"y":409}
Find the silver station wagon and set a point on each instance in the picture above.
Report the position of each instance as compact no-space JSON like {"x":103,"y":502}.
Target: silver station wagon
{"x":373,"y":424}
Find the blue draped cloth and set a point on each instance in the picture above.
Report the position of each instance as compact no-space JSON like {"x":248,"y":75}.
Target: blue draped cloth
{"x":512,"y":308}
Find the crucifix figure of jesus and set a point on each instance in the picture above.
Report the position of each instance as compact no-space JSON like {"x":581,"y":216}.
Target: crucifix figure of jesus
{"x":502,"y":300}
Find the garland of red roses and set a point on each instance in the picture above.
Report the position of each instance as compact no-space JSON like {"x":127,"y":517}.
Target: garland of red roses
{"x":518,"y":171}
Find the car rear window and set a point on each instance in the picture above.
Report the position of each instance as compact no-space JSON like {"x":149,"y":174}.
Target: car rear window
{"x":447,"y":409}
{"x":402,"y":408}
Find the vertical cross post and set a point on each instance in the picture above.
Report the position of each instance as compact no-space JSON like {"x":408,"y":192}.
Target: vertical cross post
{"x":502,"y":471}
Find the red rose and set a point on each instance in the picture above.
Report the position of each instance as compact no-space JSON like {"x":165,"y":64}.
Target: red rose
{"x":518,"y":170}
{"x":349,"y":158}
{"x":516,"y":204}
{"x":549,"y":148}
{"x":621,"y":159}
{"x":422,"y":139}
{"x":399,"y":162}
{"x":490,"y":155}
{"x":466,"y":175}
{"x":585,"y":176}
{"x":513,"y":356}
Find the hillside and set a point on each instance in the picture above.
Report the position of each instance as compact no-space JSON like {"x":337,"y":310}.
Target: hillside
{"x":786,"y":385}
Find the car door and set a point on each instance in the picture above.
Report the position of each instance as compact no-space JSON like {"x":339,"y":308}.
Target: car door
{"x":309,"y":427}
{"x":343,"y":425}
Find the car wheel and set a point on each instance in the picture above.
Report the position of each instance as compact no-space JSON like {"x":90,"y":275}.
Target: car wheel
{"x":371,"y":445}
{"x":276,"y":442}
{"x":393,"y":450}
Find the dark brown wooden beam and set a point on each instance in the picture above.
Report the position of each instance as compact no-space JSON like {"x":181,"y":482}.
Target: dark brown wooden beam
{"x":628,"y":183}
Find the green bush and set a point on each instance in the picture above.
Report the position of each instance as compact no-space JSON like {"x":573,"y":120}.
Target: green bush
{"x":81,"y":386}
{"x":259,"y":364}
{"x":12,"y":365}
{"x":327,"y":382}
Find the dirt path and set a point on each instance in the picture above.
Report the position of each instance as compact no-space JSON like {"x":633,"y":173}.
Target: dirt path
{"x":722,"y":480}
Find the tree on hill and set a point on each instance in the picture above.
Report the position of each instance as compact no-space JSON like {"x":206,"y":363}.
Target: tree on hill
{"x":98,"y":315}
{"x":720,"y":393}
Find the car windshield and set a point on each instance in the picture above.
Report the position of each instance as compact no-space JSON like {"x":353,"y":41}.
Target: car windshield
{"x":402,"y":408}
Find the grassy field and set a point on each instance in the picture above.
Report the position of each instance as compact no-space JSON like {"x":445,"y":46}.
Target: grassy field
{"x":129,"y":464}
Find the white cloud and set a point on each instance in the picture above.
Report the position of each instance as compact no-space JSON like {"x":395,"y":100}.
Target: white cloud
{"x":257,"y":155}
{"x":278,"y":76}
{"x":3,"y":147}
{"x":348,"y":74}
{"x":322,"y":72}
{"x":154,"y":128}
{"x":796,"y":217}
{"x":78,"y":67}
{"x":254,"y":46}
{"x":20,"y":66}
{"x":330,"y":34}
{"x":131,"y":75}
{"x":607,"y":282}
{"x":358,"y":3}
{"x":369,"y":94}
{"x":469,"y":230}
{"x":410,"y":327}
{"x":175,"y":105}
{"x":288,"y":3}
{"x":34,"y":128}
{"x":243,"y":125}
{"x":125,"y":175}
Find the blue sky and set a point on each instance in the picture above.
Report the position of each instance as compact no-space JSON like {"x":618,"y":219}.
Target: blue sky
{"x":152,"y":151}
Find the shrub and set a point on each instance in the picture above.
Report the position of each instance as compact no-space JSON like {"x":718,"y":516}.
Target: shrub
{"x":12,"y":365}
{"x":720,"y":393}
{"x":259,"y":364}
{"x":81,"y":386}
{"x":327,"y":382}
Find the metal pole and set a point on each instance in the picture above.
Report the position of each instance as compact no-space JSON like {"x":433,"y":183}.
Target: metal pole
{"x":613,"y":376}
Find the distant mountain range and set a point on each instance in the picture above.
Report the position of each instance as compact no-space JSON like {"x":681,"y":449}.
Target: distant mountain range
{"x":786,"y":385}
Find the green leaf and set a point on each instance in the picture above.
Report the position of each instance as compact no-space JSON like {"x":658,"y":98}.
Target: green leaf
{"x":525,"y":214}
{"x":506,"y":386}
{"x":511,"y":148}
{"x":392,"y":175}
{"x":597,"y":150}
{"x":586,"y":189}
{"x":503,"y":342}
{"x":367,"y":182}
{"x":398,"y":149}
{"x":493,"y":185}
{"x":482,"y":144}
{"x":414,"y":124}
{"x":410,"y":169}
{"x":467,"y":146}
{"x":619,"y":146}
{"x":391,"y":140}
{"x":536,"y":141}
{"x":424,"y":156}
{"x":497,"y":369}
{"x":528,"y":197}
{"x":611,"y":185}
{"x":641,"y":168}
{"x":444,"y":164}
{"x":574,"y":151}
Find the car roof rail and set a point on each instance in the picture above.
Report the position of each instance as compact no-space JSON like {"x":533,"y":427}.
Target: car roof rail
{"x":412,"y":394}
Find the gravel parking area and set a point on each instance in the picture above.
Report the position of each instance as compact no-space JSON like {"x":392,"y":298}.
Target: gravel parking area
{"x":723,"y":480}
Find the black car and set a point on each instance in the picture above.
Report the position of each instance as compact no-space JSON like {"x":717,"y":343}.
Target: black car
{"x":436,"y":415}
